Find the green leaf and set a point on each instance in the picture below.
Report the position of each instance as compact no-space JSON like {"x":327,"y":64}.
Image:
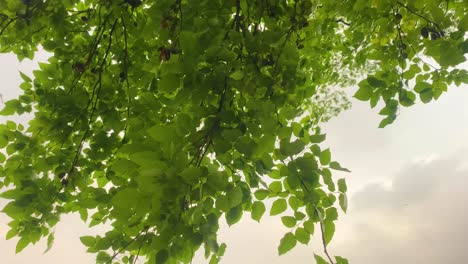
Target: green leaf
{"x":387,"y":121}
{"x":235,"y":196}
{"x":342,"y":185}
{"x":327,"y":179}
{"x":275,"y":174}
{"x":320,"y":260}
{"x":331,"y":214}
{"x":364,"y":92}
{"x":124,"y":202}
{"x":329,"y":231}
{"x":258,"y":209}
{"x":102,"y":257}
{"x":278,"y":207}
{"x":325,"y":157}
{"x":237,"y":75}
{"x":299,"y":215}
{"x":162,"y":256}
{"x":317,"y":138}
{"x":315,"y":149}
{"x":336,"y":166}
{"x":13,"y":210}
{"x":261,"y":194}
{"x":275,"y":186}
{"x":11,"y":194}
{"x":83,"y":214}
{"x":291,"y":148}
{"x":25,"y":77}
{"x":191,"y":175}
{"x":50,"y":242}
{"x":22,"y":243}
{"x":309,"y":226}
{"x":374,"y":98}
{"x":450,"y":55}
{"x":169,"y":83}
{"x":288,"y":221}
{"x":234,"y":215}
{"x":341,"y":260}
{"x":214,"y":260}
{"x":287,"y":243}
{"x":222,"y":203}
{"x":10,"y":108}
{"x":88,"y":241}
{"x":422,"y":86}
{"x":294,"y":202}
{"x":426,"y":96}
{"x":374,"y":82}
{"x":343,"y":202}
{"x":302,"y":235}
{"x":11,"y":125}
{"x":407,"y":98}
{"x":11,"y":233}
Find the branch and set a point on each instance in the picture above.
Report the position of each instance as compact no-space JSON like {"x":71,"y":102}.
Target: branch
{"x":139,"y":248}
{"x":419,"y":15}
{"x":97,"y":91}
{"x":419,"y":57}
{"x":128,"y":244}
{"x":280,"y":52}
{"x":322,"y":229}
{"x":342,"y":21}
{"x":129,"y":100}
{"x":207,"y":138}
{"x":7,"y":25}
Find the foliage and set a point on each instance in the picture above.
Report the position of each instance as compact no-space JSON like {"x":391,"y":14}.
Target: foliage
{"x":161,"y":117}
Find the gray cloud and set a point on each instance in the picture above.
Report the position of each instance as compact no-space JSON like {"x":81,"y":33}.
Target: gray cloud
{"x":421,"y":218}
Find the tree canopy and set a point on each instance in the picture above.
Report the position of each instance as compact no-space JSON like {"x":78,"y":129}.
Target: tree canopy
{"x":162,"y":117}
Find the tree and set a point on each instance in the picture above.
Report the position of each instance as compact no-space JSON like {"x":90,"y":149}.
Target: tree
{"x":161,"y":117}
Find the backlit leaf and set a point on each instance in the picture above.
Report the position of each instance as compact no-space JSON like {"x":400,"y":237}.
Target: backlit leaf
{"x":288,"y":221}
{"x":287,"y":243}
{"x":302,"y":235}
{"x":278,"y":207}
{"x":258,"y":209}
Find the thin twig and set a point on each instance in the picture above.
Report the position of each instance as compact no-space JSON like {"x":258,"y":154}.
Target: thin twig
{"x":322,"y":229}
{"x":139,"y":248}
{"x":7,"y":24}
{"x":128,"y":244}
{"x":98,"y":88}
{"x":342,"y":21}
{"x":419,"y":15}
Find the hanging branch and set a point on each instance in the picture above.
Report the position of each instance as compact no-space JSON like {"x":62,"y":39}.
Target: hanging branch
{"x":208,"y":138}
{"x":139,"y":248}
{"x":127,"y":245}
{"x":344,"y":22}
{"x":96,"y":91}
{"x":129,"y":99}
{"x":419,"y":15}
{"x":10,"y":20}
{"x":322,"y":228}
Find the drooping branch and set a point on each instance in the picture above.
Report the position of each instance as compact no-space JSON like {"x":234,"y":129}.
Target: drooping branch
{"x":7,"y":24}
{"x":343,"y":22}
{"x":145,"y":229}
{"x":322,"y":228}
{"x":95,"y":97}
{"x":419,"y":15}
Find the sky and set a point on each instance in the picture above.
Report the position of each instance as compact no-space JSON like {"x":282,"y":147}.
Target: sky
{"x":407,"y":191}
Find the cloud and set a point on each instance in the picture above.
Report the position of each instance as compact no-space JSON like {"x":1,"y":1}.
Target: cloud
{"x":420,"y":218}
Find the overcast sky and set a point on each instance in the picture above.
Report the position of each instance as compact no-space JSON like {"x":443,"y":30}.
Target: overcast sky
{"x":407,"y":192}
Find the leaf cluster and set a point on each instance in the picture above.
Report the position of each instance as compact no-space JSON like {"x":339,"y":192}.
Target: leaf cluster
{"x":162,"y":117}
